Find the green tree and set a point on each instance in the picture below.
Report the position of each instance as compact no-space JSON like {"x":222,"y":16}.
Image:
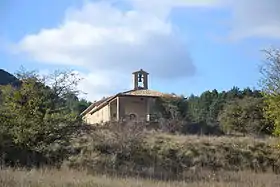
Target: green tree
{"x":36,"y":115}
{"x":193,"y":109}
{"x":205,"y":102}
{"x":214,"y":110}
{"x":172,"y":111}
{"x":82,"y":105}
{"x":270,"y":82}
{"x":245,"y":116}
{"x":170,"y":107}
{"x":203,"y":110}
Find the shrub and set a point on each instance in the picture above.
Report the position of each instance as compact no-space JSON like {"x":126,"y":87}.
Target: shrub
{"x":123,"y":150}
{"x":35,"y":120}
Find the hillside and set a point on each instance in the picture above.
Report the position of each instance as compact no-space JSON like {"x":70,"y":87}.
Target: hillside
{"x":7,"y":78}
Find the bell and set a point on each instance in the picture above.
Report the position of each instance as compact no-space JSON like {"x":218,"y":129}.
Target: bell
{"x":140,"y":78}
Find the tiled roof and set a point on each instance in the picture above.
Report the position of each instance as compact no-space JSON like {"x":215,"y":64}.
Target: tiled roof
{"x":147,"y":93}
{"x":97,"y":103}
{"x":140,"y":92}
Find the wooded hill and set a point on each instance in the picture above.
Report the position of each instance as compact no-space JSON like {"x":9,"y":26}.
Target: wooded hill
{"x":7,"y":78}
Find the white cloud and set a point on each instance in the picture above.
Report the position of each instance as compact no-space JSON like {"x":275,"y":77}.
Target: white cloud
{"x":254,"y":18}
{"x":120,"y":36}
{"x":102,"y":84}
{"x":163,"y":7}
{"x":106,"y":40}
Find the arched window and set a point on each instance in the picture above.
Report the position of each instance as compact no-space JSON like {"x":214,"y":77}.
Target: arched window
{"x":132,"y":116}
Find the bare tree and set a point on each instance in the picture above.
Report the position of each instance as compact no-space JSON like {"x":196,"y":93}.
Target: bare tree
{"x":270,"y":71}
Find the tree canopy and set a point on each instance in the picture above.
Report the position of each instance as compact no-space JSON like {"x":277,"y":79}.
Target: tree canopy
{"x":214,"y":110}
{"x":41,"y":112}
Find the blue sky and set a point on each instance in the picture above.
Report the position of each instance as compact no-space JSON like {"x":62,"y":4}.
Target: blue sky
{"x":186,"y":46}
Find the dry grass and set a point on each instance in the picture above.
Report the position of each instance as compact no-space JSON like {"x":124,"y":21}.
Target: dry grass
{"x":71,"y":178}
{"x":158,"y":155}
{"x":213,"y":139}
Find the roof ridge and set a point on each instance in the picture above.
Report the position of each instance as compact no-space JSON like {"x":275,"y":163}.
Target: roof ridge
{"x":132,"y":92}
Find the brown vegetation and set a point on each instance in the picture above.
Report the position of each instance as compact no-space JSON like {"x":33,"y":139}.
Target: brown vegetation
{"x":128,"y":150}
{"x":70,"y":178}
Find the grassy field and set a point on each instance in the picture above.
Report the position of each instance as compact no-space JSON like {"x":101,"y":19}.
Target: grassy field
{"x":156,"y":157}
{"x":71,"y":178}
{"x":215,"y":140}
{"x":170,"y":156}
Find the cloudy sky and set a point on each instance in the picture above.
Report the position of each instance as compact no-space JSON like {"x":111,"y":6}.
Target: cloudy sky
{"x":187,"y":46}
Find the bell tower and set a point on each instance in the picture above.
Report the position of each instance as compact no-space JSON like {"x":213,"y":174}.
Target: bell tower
{"x":140,"y":79}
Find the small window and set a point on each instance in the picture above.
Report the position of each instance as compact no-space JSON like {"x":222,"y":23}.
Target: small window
{"x":132,"y":116}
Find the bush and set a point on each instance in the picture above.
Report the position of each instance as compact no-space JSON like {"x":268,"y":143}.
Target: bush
{"x":35,"y":120}
{"x":201,"y":129}
{"x":245,"y":116}
{"x":125,"y":150}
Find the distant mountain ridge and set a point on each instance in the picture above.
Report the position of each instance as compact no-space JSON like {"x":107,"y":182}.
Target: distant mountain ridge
{"x":7,"y":78}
